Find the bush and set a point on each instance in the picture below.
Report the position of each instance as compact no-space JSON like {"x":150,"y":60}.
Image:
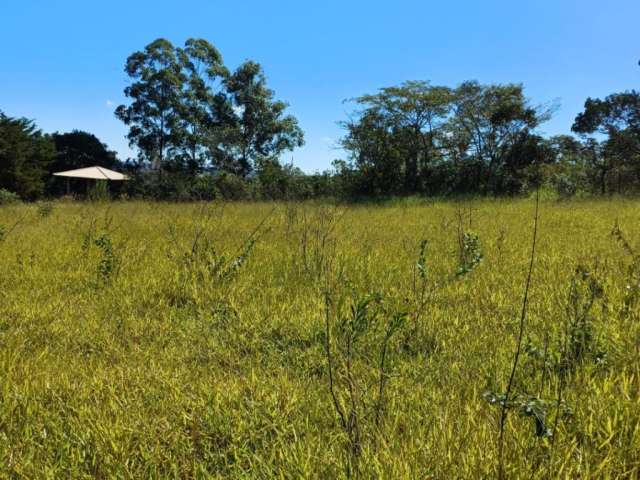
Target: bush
{"x":99,"y":191}
{"x":152,"y":185}
{"x":7,"y":197}
{"x":232,"y":187}
{"x":181,"y":187}
{"x":204,"y":187}
{"x":565,"y":186}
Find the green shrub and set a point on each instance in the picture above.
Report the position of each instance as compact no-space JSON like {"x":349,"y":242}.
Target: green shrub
{"x":232,"y":187}
{"x":99,"y":192}
{"x":7,"y":197}
{"x":204,"y":187}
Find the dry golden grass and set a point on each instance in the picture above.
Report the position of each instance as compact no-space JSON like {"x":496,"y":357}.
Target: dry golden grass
{"x":127,"y":352}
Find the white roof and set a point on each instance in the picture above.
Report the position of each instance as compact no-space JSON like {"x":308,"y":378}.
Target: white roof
{"x":98,"y":173}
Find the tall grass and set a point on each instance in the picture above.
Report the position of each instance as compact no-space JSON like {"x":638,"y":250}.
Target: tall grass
{"x":148,"y":340}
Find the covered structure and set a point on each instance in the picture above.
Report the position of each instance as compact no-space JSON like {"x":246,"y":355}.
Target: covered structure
{"x":92,"y":173}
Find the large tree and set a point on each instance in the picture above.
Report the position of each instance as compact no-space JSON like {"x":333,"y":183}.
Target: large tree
{"x":488,"y":123}
{"x":78,"y":149}
{"x":434,"y":139}
{"x":396,"y":136}
{"x":616,"y":115}
{"x":25,"y":153}
{"x":521,"y":166}
{"x":189,"y":113}
{"x":203,"y":110}
{"x":377,"y":154}
{"x":256,"y":128}
{"x":154,"y":114}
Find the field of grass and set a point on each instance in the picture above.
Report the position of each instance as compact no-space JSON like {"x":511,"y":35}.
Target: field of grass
{"x":142,"y":340}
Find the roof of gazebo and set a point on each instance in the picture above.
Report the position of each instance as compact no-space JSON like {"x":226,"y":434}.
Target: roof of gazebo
{"x":97,"y":173}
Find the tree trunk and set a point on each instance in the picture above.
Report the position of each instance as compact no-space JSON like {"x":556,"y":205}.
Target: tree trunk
{"x":411,"y":174}
{"x":619,"y":183}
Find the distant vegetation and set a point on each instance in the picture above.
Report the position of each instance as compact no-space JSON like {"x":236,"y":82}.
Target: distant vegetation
{"x":28,"y":157}
{"x":202,"y":131}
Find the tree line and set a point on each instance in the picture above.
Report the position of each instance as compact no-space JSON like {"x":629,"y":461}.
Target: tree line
{"x":203,"y":131}
{"x":422,"y":139}
{"x":28,"y":157}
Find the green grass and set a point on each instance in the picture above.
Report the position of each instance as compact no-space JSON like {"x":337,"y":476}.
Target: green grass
{"x":127,"y":352}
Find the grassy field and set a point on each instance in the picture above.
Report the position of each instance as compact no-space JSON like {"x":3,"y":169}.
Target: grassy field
{"x":142,"y":340}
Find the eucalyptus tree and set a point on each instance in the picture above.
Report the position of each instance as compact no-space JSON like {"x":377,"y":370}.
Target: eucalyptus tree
{"x":203,"y":110}
{"x":188,"y":112}
{"x":256,"y":127}
{"x":154,"y":114}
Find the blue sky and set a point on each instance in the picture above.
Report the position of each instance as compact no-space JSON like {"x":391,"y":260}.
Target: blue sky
{"x":61,"y":62}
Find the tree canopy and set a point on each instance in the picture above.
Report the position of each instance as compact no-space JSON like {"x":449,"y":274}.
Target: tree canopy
{"x":25,"y":154}
{"x":419,"y":138}
{"x":78,"y":149}
{"x":612,"y":131}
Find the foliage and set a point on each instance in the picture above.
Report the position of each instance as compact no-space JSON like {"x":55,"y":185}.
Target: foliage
{"x":398,"y":135}
{"x":204,"y":132}
{"x":202,"y":107}
{"x":470,"y":253}
{"x":7,"y":197}
{"x":25,"y":153}
{"x":271,"y":181}
{"x":188,"y":113}
{"x":258,"y":129}
{"x":45,"y":209}
{"x":232,"y":187}
{"x":109,"y":261}
{"x":98,"y":191}
{"x":357,"y":363}
{"x":154,"y":113}
{"x":406,"y":138}
{"x":632,"y":294}
{"x":580,"y":345}
{"x":617,"y":118}
{"x":78,"y":149}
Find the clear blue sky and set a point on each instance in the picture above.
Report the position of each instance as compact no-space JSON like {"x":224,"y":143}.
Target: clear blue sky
{"x":61,"y":62}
